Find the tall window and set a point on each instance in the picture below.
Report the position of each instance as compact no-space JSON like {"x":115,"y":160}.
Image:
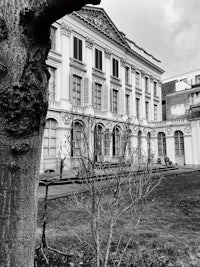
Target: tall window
{"x":137,"y":79}
{"x":115,"y":67}
{"x":106,"y":143}
{"x":138,"y":108}
{"x":97,"y":96}
{"x":127,"y":98}
{"x":98,"y":59}
{"x":179,"y":143}
{"x":52,"y":84}
{"x":53,"y":31}
{"x":146,"y":84}
{"x":98,"y":141}
{"x":78,"y":49}
{"x":116,"y":141}
{"x":76,"y":93}
{"x":155,"y":110}
{"x":115,"y":101}
{"x":147,"y":110}
{"x":127,"y":75}
{"x":139,"y":137}
{"x":77,"y":140}
{"x":155,"y":88}
{"x":49,"y":139}
{"x":162,"y":144}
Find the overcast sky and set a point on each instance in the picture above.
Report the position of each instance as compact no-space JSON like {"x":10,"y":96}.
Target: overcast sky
{"x":168,"y":29}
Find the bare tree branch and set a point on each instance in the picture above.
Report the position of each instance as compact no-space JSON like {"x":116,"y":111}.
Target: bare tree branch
{"x":56,"y":9}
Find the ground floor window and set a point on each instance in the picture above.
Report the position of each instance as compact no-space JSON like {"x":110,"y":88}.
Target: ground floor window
{"x":139,"y":137}
{"x":50,"y":139}
{"x":179,"y":143}
{"x":107,"y":143}
{"x":116,"y":141}
{"x":77,"y":139}
{"x":162,"y":144}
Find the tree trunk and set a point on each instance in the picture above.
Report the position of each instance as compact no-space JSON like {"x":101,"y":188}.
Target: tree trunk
{"x":24,"y":46}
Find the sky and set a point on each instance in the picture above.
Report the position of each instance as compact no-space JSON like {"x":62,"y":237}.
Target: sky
{"x":168,"y":29}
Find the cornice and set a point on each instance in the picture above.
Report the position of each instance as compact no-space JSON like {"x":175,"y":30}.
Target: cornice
{"x":125,"y":47}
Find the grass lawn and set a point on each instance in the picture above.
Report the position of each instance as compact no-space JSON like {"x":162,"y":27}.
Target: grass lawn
{"x":167,"y":235}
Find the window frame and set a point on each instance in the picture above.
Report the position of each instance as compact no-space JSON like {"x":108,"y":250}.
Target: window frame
{"x":179,"y":143}
{"x":53,"y":32}
{"x":50,"y":127}
{"x":98,"y":64}
{"x":52,"y":93}
{"x":162,"y":147}
{"x":77,"y":90}
{"x":115,"y":67}
{"x":98,"y":96}
{"x":77,"y":48}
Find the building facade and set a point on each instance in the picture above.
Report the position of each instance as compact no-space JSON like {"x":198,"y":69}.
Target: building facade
{"x":105,"y":91}
{"x":180,"y":110}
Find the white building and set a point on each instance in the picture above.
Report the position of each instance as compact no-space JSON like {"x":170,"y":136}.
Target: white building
{"x":101,"y":82}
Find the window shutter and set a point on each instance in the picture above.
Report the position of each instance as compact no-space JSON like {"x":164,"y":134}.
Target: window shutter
{"x":105,"y":97}
{"x":86,"y":91}
{"x":121,"y":102}
{"x":111,"y":100}
{"x":71,"y":88}
{"x":93,"y":93}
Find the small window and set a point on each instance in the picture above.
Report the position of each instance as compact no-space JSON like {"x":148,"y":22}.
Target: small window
{"x":197,"y":79}
{"x":115,"y":69}
{"x":78,"y":49}
{"x":53,"y":32}
{"x":52,"y":84}
{"x":98,"y":59}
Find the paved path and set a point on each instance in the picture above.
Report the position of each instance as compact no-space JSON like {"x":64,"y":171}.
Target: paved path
{"x":58,"y":191}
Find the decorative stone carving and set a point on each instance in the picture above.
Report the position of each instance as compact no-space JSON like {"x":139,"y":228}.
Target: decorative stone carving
{"x":133,"y":68}
{"x":187,"y":129}
{"x":168,"y":131}
{"x":107,"y":53}
{"x":123,"y":61}
{"x":143,"y":73}
{"x":89,"y":42}
{"x":66,"y":29}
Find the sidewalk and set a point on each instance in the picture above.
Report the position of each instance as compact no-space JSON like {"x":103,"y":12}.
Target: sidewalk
{"x":62,"y":190}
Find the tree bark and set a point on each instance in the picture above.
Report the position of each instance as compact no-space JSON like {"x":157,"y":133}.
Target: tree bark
{"x":24,"y":47}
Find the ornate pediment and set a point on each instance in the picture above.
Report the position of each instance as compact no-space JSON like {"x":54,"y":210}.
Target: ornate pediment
{"x":99,"y":20}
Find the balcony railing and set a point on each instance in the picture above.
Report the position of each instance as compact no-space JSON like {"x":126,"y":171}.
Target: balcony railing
{"x":54,"y":105}
{"x":181,"y":121}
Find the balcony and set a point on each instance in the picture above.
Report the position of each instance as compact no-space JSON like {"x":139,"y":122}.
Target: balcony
{"x":54,"y":105}
{"x":78,"y":109}
{"x":181,"y":121}
{"x":100,"y":113}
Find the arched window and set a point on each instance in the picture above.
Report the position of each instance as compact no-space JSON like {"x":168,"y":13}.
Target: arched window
{"x":116,"y":141}
{"x":106,"y":143}
{"x":77,"y":139}
{"x":148,"y":143}
{"x":139,"y":144}
{"x":98,"y":140}
{"x":179,"y":143}
{"x":162,"y":144}
{"x":50,"y":139}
